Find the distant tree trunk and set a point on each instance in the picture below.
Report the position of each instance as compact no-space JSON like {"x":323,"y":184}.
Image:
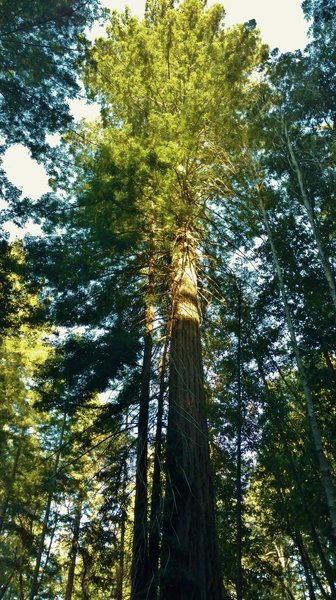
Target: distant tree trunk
{"x":296,"y":536}
{"x":306,"y":565}
{"x":21,"y":587}
{"x":326,"y":567}
{"x":74,"y":548}
{"x":7,"y":498}
{"x":85,"y":573}
{"x":34,"y":584}
{"x":328,"y":361}
{"x":51,"y":540}
{"x":311,"y":217}
{"x":189,"y":564}
{"x":283,"y":579}
{"x":239,"y":495}
{"x":324,"y":466}
{"x":6,"y":585}
{"x":121,"y":565}
{"x":327,"y":358}
{"x":156,"y":499}
{"x":140,"y":533}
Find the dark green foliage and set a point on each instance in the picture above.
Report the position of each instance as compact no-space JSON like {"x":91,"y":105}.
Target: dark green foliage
{"x":85,"y":365}
{"x":40,"y":46}
{"x":321,"y":11}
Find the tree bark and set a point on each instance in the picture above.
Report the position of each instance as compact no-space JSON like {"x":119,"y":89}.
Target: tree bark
{"x":189,"y":564}
{"x":324,"y":466}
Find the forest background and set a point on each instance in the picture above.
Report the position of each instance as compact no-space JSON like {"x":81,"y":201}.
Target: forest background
{"x":168,"y":342}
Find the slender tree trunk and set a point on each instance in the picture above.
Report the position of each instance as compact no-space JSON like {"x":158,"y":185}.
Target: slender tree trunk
{"x":51,"y":540}
{"x":74,"y":549}
{"x":139,"y":571}
{"x":34,"y":584}
{"x":283,"y":580}
{"x":328,"y":362}
{"x":6,"y":585}
{"x":239,"y":494}
{"x":85,"y":574}
{"x":21,"y":587}
{"x":306,"y":565}
{"x":310,"y":213}
{"x":327,"y":358}
{"x":296,"y":537}
{"x":156,"y":499}
{"x":326,"y":567}
{"x":7,"y":498}
{"x":121,"y":566}
{"x":189,"y":565}
{"x":325,"y":470}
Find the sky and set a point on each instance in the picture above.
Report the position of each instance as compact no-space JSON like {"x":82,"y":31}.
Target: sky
{"x":282,"y":26}
{"x":281,"y":22}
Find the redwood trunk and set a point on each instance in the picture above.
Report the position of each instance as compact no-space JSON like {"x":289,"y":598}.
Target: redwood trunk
{"x":189,"y":564}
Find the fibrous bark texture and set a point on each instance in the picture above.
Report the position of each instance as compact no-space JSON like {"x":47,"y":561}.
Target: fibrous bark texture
{"x":189,"y":562}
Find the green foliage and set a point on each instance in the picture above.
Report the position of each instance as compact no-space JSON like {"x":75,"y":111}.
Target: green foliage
{"x":21,"y":449}
{"x":41,"y":43}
